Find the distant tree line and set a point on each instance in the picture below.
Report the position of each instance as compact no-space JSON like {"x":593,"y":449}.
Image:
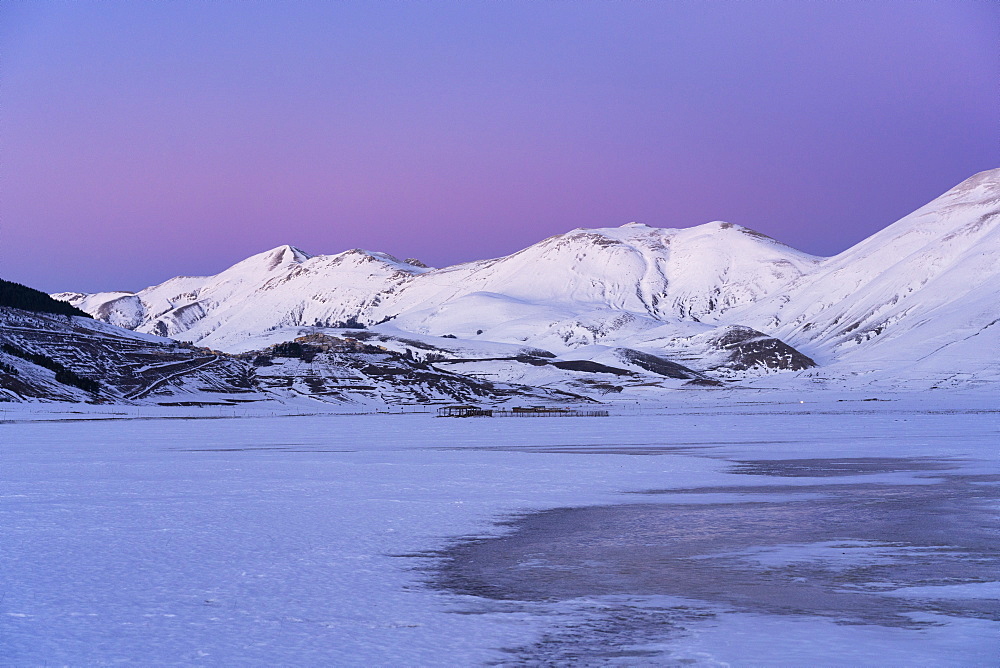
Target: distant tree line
{"x":293,"y":349}
{"x":20,"y":296}
{"x":63,"y":375}
{"x":350,"y":323}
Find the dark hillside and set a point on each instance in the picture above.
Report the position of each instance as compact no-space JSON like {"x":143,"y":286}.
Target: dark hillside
{"x":20,"y":296}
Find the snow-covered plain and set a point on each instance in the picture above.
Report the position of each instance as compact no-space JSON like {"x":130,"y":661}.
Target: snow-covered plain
{"x":223,"y":536}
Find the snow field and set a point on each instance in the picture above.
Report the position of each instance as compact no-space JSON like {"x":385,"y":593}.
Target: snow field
{"x":303,"y":540}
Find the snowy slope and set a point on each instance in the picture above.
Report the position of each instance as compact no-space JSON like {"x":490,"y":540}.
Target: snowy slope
{"x":283,"y":288}
{"x":122,"y":309}
{"x":916,"y":299}
{"x":52,"y":357}
{"x":582,"y":288}
{"x":59,"y":358}
{"x":695,"y":273}
{"x":922,"y":294}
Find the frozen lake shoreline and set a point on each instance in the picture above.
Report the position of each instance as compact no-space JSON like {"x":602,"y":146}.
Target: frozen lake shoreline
{"x":274,"y":539}
{"x":890,"y":555}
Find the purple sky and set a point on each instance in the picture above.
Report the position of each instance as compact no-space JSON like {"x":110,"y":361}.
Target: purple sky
{"x":141,"y":140}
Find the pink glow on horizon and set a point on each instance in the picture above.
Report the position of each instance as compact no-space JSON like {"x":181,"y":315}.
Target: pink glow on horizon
{"x":144,"y":141}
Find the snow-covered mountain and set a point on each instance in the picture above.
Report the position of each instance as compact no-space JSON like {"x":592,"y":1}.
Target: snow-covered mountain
{"x":717,"y":298}
{"x":580,"y":289}
{"x":922,"y":294}
{"x":694,"y":273}
{"x":281,"y":289}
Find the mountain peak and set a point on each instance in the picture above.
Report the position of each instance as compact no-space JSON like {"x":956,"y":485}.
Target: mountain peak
{"x":985,"y":186}
{"x":718,"y":225}
{"x":291,"y":253}
{"x":360,"y":256}
{"x":269,"y":260}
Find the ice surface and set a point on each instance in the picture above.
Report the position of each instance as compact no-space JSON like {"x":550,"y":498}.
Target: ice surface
{"x":247,"y":537}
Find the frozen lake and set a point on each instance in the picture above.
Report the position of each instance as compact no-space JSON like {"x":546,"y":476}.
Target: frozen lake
{"x":714,"y":533}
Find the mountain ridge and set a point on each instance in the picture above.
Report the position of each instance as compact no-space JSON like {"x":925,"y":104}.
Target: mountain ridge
{"x":677,"y":293}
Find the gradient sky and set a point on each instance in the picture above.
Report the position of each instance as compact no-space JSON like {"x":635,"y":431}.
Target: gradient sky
{"x":142,"y":140}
